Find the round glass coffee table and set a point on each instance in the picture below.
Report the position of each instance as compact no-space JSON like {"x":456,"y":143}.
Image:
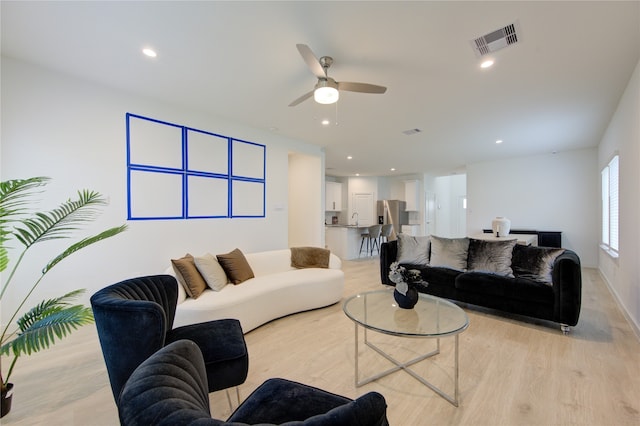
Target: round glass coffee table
{"x":432,"y":317}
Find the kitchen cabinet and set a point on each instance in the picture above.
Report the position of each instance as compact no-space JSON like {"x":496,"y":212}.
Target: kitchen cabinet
{"x":412,"y":195}
{"x":333,"y":196}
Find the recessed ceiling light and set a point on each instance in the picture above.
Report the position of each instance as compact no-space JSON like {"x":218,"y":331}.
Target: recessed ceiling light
{"x":393,"y":169}
{"x":357,"y":174}
{"x":499,"y":141}
{"x":149,"y":52}
{"x":349,"y":157}
{"x":486,"y":64}
{"x":325,"y":122}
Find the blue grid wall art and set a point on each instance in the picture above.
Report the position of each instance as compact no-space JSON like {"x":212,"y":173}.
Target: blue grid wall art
{"x":178,"y":172}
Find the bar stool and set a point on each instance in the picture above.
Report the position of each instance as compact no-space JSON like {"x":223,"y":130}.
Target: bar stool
{"x":385,"y":233}
{"x":372,"y":237}
{"x":364,"y":235}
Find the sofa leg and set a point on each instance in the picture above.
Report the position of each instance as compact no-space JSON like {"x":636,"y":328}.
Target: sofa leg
{"x":565,"y":329}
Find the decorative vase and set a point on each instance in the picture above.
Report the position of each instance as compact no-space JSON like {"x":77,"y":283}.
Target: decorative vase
{"x":408,"y":301}
{"x":5,"y":400}
{"x":501,"y":226}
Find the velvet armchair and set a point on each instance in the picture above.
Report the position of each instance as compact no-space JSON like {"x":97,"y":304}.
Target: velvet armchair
{"x":134,"y":319}
{"x":170,"y":388}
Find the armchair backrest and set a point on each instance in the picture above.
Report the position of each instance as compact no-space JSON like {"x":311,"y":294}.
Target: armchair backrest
{"x":132,"y":318}
{"x":169,"y":388}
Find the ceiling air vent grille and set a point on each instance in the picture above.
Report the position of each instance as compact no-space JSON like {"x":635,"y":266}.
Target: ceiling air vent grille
{"x":496,"y":40}
{"x":411,"y":132}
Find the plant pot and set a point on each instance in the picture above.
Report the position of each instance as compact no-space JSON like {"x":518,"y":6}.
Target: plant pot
{"x":5,"y":401}
{"x":408,"y":301}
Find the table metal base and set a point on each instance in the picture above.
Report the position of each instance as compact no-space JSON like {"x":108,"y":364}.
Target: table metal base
{"x":405,"y":366}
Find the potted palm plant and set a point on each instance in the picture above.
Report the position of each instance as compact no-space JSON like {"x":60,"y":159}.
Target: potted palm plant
{"x":50,"y":320}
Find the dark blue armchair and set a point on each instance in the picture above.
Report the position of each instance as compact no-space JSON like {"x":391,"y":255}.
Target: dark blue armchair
{"x":170,"y":388}
{"x":134,"y":319}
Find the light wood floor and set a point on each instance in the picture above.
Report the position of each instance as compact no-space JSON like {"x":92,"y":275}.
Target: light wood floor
{"x":511,"y":372}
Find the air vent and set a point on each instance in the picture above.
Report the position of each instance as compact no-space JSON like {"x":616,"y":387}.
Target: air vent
{"x":411,"y":132}
{"x":496,"y":40}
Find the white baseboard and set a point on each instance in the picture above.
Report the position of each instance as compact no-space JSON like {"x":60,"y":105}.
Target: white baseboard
{"x":634,"y":325}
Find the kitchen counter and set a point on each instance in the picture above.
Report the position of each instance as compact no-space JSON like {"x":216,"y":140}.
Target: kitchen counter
{"x":344,"y":240}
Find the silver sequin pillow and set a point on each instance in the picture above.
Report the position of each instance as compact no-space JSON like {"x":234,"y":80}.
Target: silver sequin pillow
{"x":413,"y":250}
{"x":449,"y":252}
{"x":493,"y":257}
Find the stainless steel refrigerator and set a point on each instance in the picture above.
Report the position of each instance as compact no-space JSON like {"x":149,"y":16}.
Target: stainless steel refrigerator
{"x":393,"y":211}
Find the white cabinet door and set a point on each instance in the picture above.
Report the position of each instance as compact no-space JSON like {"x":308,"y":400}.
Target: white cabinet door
{"x":333,"y":196}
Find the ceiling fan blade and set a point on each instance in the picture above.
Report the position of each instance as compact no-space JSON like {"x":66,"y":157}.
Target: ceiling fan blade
{"x":311,"y":60}
{"x":301,"y":98}
{"x":361,"y":87}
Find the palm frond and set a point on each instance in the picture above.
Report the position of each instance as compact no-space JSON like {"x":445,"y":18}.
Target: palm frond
{"x":57,"y":223}
{"x":46,"y":308}
{"x":54,"y":325}
{"x":82,"y":244}
{"x":14,"y":196}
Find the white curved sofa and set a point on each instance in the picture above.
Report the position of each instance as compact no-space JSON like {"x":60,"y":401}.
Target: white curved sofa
{"x":277,"y":290}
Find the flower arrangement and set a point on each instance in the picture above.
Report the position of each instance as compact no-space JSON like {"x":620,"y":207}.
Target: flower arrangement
{"x":404,"y":278}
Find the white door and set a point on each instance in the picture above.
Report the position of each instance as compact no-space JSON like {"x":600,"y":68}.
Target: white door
{"x":430,"y":213}
{"x":363,"y":205}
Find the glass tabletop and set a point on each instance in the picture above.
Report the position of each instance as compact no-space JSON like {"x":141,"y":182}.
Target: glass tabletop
{"x":431,"y":317}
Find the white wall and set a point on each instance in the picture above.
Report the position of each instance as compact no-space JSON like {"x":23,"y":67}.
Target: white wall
{"x":554,"y":192}
{"x":305,"y":197}
{"x":74,"y":132}
{"x":623,"y":137}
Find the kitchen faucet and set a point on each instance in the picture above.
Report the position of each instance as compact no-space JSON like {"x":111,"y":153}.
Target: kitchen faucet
{"x":356,"y":215}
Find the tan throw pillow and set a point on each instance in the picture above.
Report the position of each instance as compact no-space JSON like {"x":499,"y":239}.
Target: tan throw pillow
{"x":309,"y":257}
{"x":211,"y":271}
{"x":188,"y":275}
{"x":236,"y":266}
{"x":449,"y":252}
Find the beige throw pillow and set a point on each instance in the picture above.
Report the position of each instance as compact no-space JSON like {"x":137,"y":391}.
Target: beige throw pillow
{"x":236,"y":266}
{"x":211,"y":271}
{"x":188,"y":275}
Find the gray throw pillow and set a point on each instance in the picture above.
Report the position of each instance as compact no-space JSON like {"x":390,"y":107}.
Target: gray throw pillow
{"x":493,"y":257}
{"x":413,"y":250}
{"x":449,"y":252}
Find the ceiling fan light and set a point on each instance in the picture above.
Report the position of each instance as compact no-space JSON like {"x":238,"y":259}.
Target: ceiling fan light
{"x":326,"y":95}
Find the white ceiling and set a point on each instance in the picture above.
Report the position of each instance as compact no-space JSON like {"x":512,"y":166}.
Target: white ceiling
{"x":553,"y":91}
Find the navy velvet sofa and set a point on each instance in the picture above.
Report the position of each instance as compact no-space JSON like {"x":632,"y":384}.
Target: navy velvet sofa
{"x":558,"y":301}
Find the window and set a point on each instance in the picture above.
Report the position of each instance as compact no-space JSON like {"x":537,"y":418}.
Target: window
{"x":610,"y":207}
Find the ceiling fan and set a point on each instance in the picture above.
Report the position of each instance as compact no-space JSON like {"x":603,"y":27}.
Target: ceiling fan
{"x":327,"y":89}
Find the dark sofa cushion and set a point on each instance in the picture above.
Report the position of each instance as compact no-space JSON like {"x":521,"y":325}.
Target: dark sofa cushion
{"x":504,"y":287}
{"x":491,"y":256}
